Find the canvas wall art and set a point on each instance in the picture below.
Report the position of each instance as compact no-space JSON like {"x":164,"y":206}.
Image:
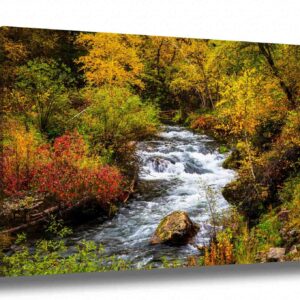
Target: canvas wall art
{"x":132,"y":152}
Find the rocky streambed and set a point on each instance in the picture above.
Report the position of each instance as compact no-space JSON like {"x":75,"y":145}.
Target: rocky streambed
{"x":177,"y":166}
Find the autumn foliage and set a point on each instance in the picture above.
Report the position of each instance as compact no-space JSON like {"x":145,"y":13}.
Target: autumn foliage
{"x":203,"y":122}
{"x":112,"y":87}
{"x":63,"y":171}
{"x":220,"y":252}
{"x":17,"y":161}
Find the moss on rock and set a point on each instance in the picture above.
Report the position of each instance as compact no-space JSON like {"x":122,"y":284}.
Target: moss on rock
{"x":175,"y":229}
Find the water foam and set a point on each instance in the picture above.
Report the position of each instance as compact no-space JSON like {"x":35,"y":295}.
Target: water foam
{"x":182,"y":164}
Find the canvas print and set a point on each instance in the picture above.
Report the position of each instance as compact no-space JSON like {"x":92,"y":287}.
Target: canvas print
{"x":131,"y":152}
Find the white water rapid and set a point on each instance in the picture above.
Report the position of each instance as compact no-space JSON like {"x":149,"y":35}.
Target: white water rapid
{"x":176,"y":168}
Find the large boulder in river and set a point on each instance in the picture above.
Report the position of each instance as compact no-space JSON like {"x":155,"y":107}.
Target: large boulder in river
{"x":175,"y":229}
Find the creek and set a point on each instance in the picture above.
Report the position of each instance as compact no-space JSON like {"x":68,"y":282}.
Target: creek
{"x":179,"y":169}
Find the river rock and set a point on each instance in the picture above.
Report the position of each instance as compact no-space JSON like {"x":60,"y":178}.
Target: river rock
{"x":275,"y":254}
{"x":293,"y":250}
{"x":160,"y":164}
{"x":175,"y":229}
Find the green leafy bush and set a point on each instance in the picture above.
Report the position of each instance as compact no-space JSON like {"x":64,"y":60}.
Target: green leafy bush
{"x":115,"y":117}
{"x":49,"y":257}
{"x":41,"y":94}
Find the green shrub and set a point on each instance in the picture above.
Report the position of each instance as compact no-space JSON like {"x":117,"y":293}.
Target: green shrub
{"x":52,"y":257}
{"x":116,"y":117}
{"x":268,"y":232}
{"x":291,"y":189}
{"x":223,"y":149}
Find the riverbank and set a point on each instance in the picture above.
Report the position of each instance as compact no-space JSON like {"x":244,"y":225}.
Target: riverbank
{"x":176,"y":166}
{"x":265,"y":195}
{"x":63,"y":180}
{"x":126,"y":237}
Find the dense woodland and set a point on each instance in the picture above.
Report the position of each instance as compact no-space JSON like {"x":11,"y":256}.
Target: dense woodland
{"x":74,"y":104}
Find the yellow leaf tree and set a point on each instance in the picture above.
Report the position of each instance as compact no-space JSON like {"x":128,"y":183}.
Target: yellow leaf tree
{"x":110,"y":59}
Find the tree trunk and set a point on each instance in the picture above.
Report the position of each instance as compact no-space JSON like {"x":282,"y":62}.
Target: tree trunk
{"x":266,"y":52}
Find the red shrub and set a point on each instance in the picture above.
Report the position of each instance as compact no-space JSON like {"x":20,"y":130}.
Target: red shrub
{"x":70,"y":146}
{"x":60,"y":171}
{"x":204,"y":122}
{"x":65,"y":179}
{"x":104,"y":183}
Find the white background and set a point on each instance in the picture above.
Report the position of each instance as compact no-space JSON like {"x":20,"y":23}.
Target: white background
{"x":248,"y":20}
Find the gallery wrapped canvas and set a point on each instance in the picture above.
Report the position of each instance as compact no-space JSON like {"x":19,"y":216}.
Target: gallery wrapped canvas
{"x":130,"y":152}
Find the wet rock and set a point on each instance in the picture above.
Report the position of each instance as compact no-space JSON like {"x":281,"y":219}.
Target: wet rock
{"x":159,"y":164}
{"x":175,"y":229}
{"x":193,"y":167}
{"x":242,"y":194}
{"x":201,"y":249}
{"x":233,"y":161}
{"x":275,"y":254}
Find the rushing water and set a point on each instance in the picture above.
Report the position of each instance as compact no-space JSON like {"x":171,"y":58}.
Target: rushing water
{"x":176,"y":168}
